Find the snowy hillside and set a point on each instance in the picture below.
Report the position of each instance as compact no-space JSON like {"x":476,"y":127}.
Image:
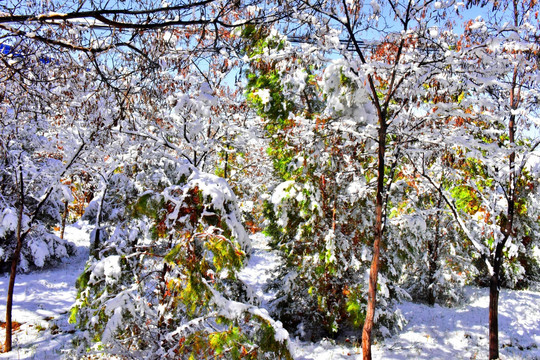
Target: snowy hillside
{"x":43,"y":299}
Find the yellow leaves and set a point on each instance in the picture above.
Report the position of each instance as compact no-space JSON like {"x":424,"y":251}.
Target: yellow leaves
{"x":243,"y":351}
{"x":226,"y":254}
{"x":461,"y":97}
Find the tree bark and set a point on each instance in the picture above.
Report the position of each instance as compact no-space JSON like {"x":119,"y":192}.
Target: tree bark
{"x":64,"y":218}
{"x":494,"y":287}
{"x":494,"y":316}
{"x":432,"y":269}
{"x":433,"y":256}
{"x":14,"y":263}
{"x":374,"y":269}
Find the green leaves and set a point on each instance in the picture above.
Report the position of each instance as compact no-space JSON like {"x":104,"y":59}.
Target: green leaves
{"x":466,"y":198}
{"x":149,"y":205}
{"x":356,"y":304}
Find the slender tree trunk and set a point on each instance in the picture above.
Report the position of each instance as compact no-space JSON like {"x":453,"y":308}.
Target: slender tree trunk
{"x":382,"y":112}
{"x":97,"y":238}
{"x":494,"y":310}
{"x":64,"y":218}
{"x":494,"y":287}
{"x":226,"y":165}
{"x":374,"y":270}
{"x":507,"y":226}
{"x":14,"y":263}
{"x":432,"y":269}
{"x":433,"y":255}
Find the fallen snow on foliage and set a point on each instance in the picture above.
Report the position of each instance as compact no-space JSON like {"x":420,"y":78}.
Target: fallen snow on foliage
{"x":108,"y":267}
{"x":431,"y":332}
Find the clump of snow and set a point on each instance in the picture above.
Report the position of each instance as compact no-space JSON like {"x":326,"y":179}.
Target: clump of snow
{"x":40,"y":251}
{"x":113,"y":324}
{"x":108,"y":267}
{"x":264,"y":95}
{"x":282,"y":191}
{"x":9,"y":219}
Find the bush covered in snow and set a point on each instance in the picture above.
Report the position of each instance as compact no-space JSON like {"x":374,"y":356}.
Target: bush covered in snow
{"x":163,"y":283}
{"x":42,"y":247}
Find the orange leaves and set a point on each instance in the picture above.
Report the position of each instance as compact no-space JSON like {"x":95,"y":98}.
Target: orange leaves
{"x":387,"y":50}
{"x":468,"y":25}
{"x":16,"y":325}
{"x":252,"y":227}
{"x":320,"y":122}
{"x":459,"y":121}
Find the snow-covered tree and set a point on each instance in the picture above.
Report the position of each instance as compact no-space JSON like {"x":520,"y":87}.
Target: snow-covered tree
{"x":44,"y":135}
{"x":486,"y":108}
{"x":364,"y":106}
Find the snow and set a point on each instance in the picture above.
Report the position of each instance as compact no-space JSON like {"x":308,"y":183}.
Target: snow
{"x":108,"y":267}
{"x":432,"y":332}
{"x":40,"y":251}
{"x":9,"y":220}
{"x":283,"y":190}
{"x":264,"y":95}
{"x":42,"y":296}
{"x":43,"y":299}
{"x":257,"y":273}
{"x":51,"y":14}
{"x":113,"y":323}
{"x":375,"y":6}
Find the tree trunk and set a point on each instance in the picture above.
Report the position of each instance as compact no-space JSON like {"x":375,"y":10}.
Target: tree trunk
{"x":226,"y":165}
{"x":64,"y":218}
{"x":433,"y":256}
{"x":494,"y":286}
{"x":94,"y":246}
{"x":432,"y":269}
{"x":14,"y":263}
{"x":494,"y":317}
{"x":507,"y":227}
{"x":374,"y":270}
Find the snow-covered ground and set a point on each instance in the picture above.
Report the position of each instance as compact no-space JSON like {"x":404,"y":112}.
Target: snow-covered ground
{"x":431,"y":332}
{"x":452,"y":333}
{"x":42,"y":302}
